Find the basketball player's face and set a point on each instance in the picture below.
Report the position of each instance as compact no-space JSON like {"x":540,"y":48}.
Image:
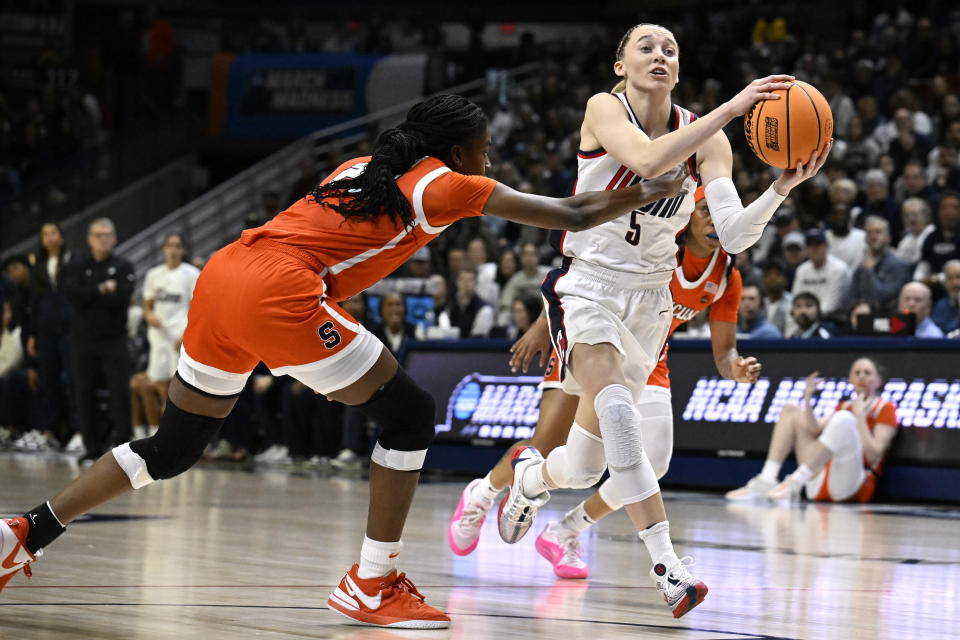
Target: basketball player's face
{"x":650,"y":60}
{"x":702,"y":231}
{"x":864,"y":377}
{"x":472,"y":159}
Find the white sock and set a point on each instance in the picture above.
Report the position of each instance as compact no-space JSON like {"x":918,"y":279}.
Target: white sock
{"x":378,"y":558}
{"x":771,"y":471}
{"x":657,"y":539}
{"x":532,"y":483}
{"x":485,"y":489}
{"x":802,"y":475}
{"x":576,"y":520}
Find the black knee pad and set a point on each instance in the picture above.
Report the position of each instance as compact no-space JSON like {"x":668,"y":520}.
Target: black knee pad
{"x":178,"y":443}
{"x":406,"y":414}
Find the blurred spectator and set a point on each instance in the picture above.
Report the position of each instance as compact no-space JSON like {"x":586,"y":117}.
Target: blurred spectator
{"x":418,"y":266}
{"x":913,"y":184}
{"x":478,"y":259}
{"x":807,"y":317}
{"x":525,"y":282}
{"x":751,"y":320}
{"x":945,"y":313}
{"x":15,"y":281}
{"x":355,"y":425}
{"x":915,"y":298}
{"x":473,"y":316}
{"x":823,"y":275}
{"x":99,"y":286}
{"x":15,"y":392}
{"x":879,"y":277}
{"x":394,"y":330}
{"x":49,"y":340}
{"x":167,"y":291}
{"x":842,"y":241}
{"x":749,"y":271}
{"x":943,"y":244}
{"x":879,"y":202}
{"x":794,"y":254}
{"x":917,"y":225}
{"x":778,"y":300}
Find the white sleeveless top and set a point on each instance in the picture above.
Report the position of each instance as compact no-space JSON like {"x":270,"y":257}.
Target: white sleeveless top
{"x":643,"y":241}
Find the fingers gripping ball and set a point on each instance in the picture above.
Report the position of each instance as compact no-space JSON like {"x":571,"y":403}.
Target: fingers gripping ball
{"x":780,"y":132}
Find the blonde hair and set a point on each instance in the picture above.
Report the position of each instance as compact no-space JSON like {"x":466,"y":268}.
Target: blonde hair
{"x":622,"y":47}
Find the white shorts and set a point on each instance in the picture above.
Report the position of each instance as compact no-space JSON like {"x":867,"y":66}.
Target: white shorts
{"x":592,"y":305}
{"x":323,"y":376}
{"x":846,"y":471}
{"x":163,"y":360}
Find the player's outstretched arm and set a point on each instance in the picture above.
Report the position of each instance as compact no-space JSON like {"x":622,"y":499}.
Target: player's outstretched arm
{"x":607,"y":121}
{"x":583,"y":210}
{"x":740,"y":227}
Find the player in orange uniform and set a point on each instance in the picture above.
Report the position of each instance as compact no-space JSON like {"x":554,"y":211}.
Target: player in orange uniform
{"x":273,"y":296}
{"x":840,"y":456}
{"x":705,"y":278}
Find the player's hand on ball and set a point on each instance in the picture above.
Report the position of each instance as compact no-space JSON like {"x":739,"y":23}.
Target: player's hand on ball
{"x":759,"y":89}
{"x":790,"y":178}
{"x":746,"y":369}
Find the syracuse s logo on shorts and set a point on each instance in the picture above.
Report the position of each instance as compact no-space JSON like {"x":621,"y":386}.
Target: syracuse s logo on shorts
{"x":329,"y":334}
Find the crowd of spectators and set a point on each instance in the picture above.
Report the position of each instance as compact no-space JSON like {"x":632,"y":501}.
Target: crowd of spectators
{"x":875,"y":232}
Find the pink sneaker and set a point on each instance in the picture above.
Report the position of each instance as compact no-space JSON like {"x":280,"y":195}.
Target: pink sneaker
{"x":562,"y":549}
{"x":463,"y":532}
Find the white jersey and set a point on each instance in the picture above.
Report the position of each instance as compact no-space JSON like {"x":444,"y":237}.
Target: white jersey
{"x":171,"y":291}
{"x":643,"y":241}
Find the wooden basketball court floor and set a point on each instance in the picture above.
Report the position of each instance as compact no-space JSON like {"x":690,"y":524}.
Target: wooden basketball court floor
{"x":231,"y":554}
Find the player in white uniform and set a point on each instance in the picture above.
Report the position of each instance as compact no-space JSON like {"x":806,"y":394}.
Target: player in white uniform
{"x":167,"y":291}
{"x":609,"y":305}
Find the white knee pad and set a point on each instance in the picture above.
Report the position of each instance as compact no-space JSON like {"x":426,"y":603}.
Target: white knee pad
{"x":630,"y":470}
{"x":133,"y":465}
{"x":579,"y":463}
{"x":609,"y":495}
{"x":840,"y":434}
{"x":656,"y":427}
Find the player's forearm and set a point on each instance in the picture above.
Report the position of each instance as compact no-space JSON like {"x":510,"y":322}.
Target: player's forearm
{"x":666,"y":152}
{"x":739,"y":227}
{"x":592,"y":208}
{"x":725,"y":361}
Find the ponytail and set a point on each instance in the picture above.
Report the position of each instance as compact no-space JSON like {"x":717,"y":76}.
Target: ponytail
{"x":432,"y":127}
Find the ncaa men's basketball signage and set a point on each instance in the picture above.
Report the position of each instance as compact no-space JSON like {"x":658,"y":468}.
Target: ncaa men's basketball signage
{"x":284,"y":95}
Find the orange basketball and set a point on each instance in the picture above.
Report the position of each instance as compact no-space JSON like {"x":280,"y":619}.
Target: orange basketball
{"x":780,"y":132}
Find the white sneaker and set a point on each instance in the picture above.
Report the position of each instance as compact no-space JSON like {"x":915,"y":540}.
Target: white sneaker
{"x":463,"y":532}
{"x":346,"y":459}
{"x":76,"y":445}
{"x":33,"y":440}
{"x":787,"y":491}
{"x":518,"y":510}
{"x":273,"y":454}
{"x":680,"y":590}
{"x":5,"y":440}
{"x":756,"y":489}
{"x":220,"y":451}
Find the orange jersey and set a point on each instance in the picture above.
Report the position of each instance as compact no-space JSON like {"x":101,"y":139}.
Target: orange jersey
{"x":699,"y":283}
{"x":883,"y":412}
{"x":357,"y":253}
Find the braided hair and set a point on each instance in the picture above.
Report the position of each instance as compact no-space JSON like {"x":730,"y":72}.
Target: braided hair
{"x":431,"y":128}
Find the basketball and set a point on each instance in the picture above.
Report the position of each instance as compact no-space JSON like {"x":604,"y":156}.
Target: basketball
{"x":781,"y":132}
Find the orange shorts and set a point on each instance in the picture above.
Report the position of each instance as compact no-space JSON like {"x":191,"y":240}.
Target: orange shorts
{"x":264,"y":302}
{"x":863,"y":494}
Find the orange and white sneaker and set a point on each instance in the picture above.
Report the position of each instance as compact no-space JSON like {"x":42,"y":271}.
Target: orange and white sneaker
{"x":388,"y":601}
{"x":13,"y":550}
